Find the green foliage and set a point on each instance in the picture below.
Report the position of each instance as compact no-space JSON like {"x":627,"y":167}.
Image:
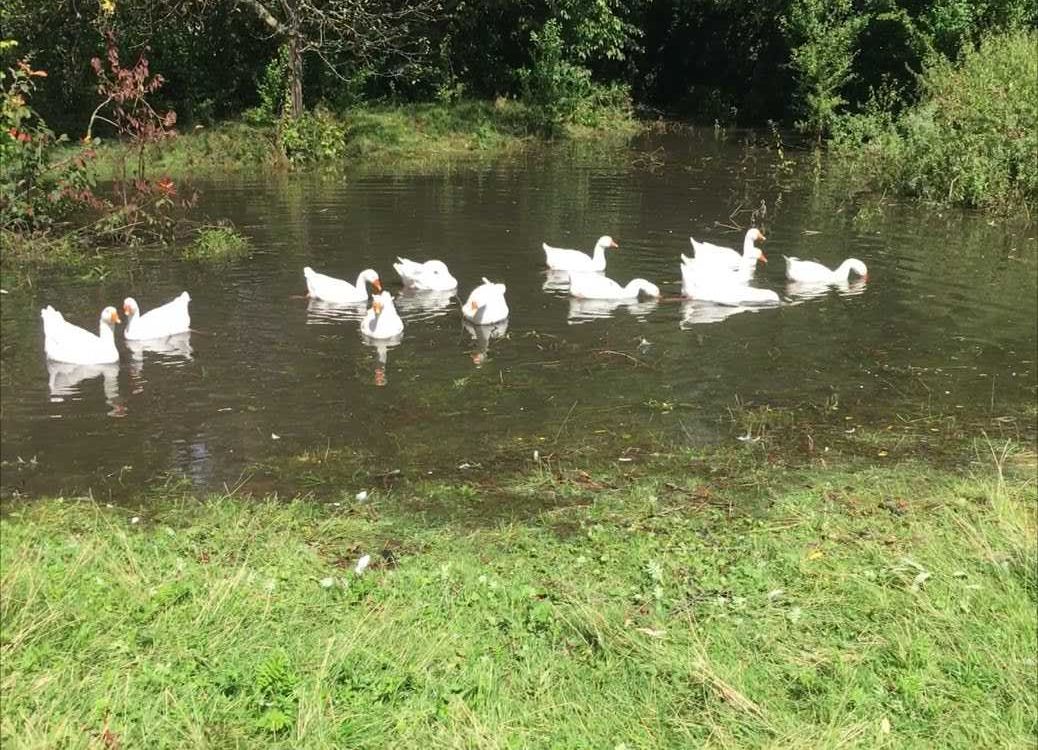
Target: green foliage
{"x":973,"y":138}
{"x":953,"y":25}
{"x":36,"y":186}
{"x":276,"y":693}
{"x":823,"y":38}
{"x":315,"y":137}
{"x":552,"y":84}
{"x":217,"y":243}
{"x":273,"y":91}
{"x":560,"y":91}
{"x":598,"y":30}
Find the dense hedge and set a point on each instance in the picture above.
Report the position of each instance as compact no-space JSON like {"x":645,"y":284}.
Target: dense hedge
{"x":737,"y":61}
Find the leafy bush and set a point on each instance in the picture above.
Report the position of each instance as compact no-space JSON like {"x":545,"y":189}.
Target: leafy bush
{"x":824,"y":37}
{"x":603,"y":104}
{"x":313,"y":137}
{"x":553,"y":84}
{"x":36,"y":187}
{"x":973,"y":138}
{"x":272,"y":89}
{"x":560,"y":91}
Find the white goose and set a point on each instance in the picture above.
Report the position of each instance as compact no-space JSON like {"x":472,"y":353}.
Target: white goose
{"x":808,"y":271}
{"x":430,"y":276}
{"x":721,"y":290}
{"x":331,"y":289}
{"x":382,"y":321}
{"x":486,"y":304}
{"x":750,"y":252}
{"x":159,"y":323}
{"x":710,"y":266}
{"x":596,"y":286}
{"x":559,"y":259}
{"x":65,"y":342}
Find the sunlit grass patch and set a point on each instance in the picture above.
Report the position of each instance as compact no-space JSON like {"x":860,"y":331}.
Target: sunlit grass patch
{"x":858,"y":605}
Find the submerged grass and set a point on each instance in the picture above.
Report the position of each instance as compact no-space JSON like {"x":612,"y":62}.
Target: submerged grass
{"x":216,"y":243}
{"x":692,"y":599}
{"x":23,"y":257}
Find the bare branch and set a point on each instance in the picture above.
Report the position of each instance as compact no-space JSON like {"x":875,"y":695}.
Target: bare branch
{"x":267,"y":17}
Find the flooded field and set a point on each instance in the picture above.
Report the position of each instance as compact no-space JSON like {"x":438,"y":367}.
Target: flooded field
{"x":946,"y":323}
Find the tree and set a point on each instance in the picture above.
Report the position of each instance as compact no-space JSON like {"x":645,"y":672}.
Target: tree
{"x":338,"y":31}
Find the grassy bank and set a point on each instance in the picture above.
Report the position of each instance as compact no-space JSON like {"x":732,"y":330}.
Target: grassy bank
{"x":688,"y":599}
{"x":399,"y":136}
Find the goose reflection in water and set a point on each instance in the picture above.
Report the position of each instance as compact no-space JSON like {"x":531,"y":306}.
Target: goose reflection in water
{"x":698,"y":313}
{"x":178,"y":346}
{"x":423,"y":305}
{"x":172,"y":351}
{"x":381,"y":347}
{"x":319,"y":312}
{"x":801,"y":291}
{"x":584,"y":310}
{"x":483,"y":336}
{"x":66,"y":380}
{"x":556,"y":281}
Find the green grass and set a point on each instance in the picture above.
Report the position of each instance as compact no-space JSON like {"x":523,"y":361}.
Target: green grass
{"x":687,"y":599}
{"x":216,"y":244}
{"x":397,"y":135}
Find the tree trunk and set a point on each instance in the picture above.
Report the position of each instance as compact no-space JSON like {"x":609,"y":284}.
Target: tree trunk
{"x":295,"y":76}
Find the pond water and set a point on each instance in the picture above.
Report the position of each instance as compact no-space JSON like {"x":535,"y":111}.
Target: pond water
{"x":945,"y":324}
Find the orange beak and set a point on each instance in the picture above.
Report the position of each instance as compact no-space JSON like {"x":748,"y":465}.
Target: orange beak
{"x":377,"y":307}
{"x":127,"y":311}
{"x":614,"y":245}
{"x":115,"y":318}
{"x":377,"y":286}
{"x":764,"y":258}
{"x":762,"y":237}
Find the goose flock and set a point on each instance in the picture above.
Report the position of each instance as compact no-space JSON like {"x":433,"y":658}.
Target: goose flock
{"x":714,"y":274}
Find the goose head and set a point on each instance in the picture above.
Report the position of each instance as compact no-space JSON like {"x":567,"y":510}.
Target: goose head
{"x":370,"y":276}
{"x":855,"y":265}
{"x":606,"y":242}
{"x":749,"y":247}
{"x":130,"y":307}
{"x":109,"y":317}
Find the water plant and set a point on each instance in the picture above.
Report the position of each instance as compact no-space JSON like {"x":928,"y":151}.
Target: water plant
{"x":216,"y":243}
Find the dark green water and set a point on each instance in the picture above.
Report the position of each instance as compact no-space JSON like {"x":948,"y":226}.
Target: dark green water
{"x":946,"y":323}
